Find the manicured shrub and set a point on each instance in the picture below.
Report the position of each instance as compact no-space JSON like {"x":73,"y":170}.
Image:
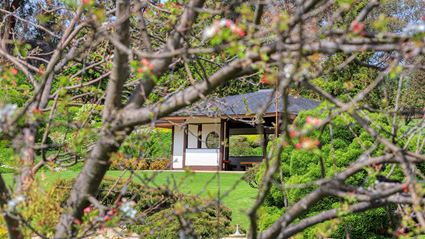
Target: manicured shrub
{"x":250,"y":176}
{"x":157,"y":210}
{"x":245,"y":145}
{"x":340,"y":144}
{"x":120,"y":163}
{"x":144,"y":149}
{"x":160,"y":164}
{"x":268,"y":215}
{"x":375,"y":223}
{"x":41,"y":202}
{"x":148,"y":143}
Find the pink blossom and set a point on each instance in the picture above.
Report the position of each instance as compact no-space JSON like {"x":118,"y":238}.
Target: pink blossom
{"x":147,"y":63}
{"x":87,"y":210}
{"x":293,"y":133}
{"x":313,"y":121}
{"x":357,"y":27}
{"x":14,"y":71}
{"x":307,"y":143}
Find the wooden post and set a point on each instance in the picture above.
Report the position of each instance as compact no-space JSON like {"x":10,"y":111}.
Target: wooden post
{"x":222,"y":143}
{"x":199,"y":136}
{"x":277,"y":132}
{"x":172,"y":146}
{"x":277,"y":114}
{"x":185,"y":138}
{"x":264,"y":146}
{"x":226,"y":140}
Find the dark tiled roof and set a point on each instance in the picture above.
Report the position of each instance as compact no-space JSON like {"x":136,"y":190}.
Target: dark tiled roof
{"x":245,"y":104}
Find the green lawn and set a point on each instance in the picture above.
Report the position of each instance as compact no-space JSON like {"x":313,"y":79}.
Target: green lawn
{"x":239,"y":198}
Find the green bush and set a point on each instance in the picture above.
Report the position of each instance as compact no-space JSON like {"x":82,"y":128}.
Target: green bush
{"x":250,"y":176}
{"x":245,"y":145}
{"x":160,"y":208}
{"x":41,"y":202}
{"x":118,"y":162}
{"x":144,"y":149}
{"x":148,"y":143}
{"x":160,"y":164}
{"x":341,"y":144}
{"x":157,"y":210}
{"x":7,"y":157}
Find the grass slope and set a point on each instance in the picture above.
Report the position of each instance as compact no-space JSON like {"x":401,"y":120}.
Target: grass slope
{"x":236,"y":194}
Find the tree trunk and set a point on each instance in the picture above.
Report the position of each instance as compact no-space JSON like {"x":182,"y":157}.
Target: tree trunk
{"x":88,"y":182}
{"x":97,"y":164}
{"x":110,"y":140}
{"x":27,"y":154}
{"x":11,"y":223}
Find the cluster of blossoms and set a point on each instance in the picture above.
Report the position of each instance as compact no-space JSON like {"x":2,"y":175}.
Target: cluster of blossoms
{"x":315,"y":122}
{"x":146,"y":66}
{"x":127,"y":208}
{"x":109,"y":214}
{"x":307,"y":143}
{"x":104,"y":218}
{"x":304,"y":142}
{"x":101,"y":218}
{"x":217,"y":25}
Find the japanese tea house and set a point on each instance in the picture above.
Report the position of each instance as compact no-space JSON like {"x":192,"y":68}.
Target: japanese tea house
{"x":200,"y":133}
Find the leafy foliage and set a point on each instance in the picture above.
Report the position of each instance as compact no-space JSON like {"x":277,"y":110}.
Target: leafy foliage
{"x":245,"y":145}
{"x":155,"y":206}
{"x":341,"y":143}
{"x":148,"y":143}
{"x":250,"y":176}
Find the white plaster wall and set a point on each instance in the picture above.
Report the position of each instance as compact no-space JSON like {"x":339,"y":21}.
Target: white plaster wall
{"x":195,"y":157}
{"x":206,"y":129}
{"x":202,"y":157}
{"x":178,"y":147}
{"x":192,"y":138}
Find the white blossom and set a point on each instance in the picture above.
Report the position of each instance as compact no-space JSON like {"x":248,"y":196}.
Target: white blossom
{"x":288,"y":70}
{"x":7,"y":112}
{"x":209,"y":32}
{"x":11,"y":204}
{"x":127,"y":208}
{"x":414,"y":28}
